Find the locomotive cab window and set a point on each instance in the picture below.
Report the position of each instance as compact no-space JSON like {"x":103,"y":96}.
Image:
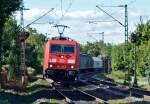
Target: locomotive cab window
{"x":56,"y":48}
{"x":69,"y":49}
{"x":65,"y":49}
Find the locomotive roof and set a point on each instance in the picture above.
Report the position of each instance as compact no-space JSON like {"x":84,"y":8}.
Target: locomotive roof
{"x":63,"y":40}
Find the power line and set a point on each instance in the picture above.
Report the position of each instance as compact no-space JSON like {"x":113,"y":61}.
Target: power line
{"x":70,"y":5}
{"x":113,"y":13}
{"x":131,"y":2}
{"x":110,"y":15}
{"x":100,"y":21}
{"x":92,"y":36}
{"x":43,"y":23}
{"x":40,"y":17}
{"x":111,"y":6}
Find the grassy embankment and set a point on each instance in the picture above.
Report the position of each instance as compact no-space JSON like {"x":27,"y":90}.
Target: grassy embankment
{"x":30,"y":96}
{"x":118,"y":76}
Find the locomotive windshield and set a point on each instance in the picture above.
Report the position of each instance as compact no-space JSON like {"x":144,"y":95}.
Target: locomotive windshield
{"x":56,"y":48}
{"x":64,"y":49}
{"x":68,"y":49}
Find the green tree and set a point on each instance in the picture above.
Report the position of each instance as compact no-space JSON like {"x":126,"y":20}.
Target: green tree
{"x":7,"y":7}
{"x":96,"y":49}
{"x":11,"y":46}
{"x":35,"y":50}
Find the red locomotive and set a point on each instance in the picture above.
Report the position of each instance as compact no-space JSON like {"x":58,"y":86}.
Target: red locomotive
{"x":61,"y":59}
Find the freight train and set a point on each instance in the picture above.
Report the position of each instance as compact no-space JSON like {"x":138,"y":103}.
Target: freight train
{"x":89,"y":64}
{"x":63,"y":61}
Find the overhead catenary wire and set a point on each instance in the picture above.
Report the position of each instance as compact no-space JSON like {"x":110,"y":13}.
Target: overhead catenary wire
{"x":43,"y":23}
{"x":95,"y":21}
{"x":129,"y":3}
{"x":40,"y":17}
{"x":110,"y":15}
{"x":113,"y":13}
{"x":66,"y":11}
{"x":92,"y":36}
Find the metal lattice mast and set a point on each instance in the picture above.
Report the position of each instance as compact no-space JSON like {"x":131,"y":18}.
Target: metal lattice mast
{"x":23,"y":66}
{"x":126,"y":25}
{"x":103,"y":37}
{"x":126,"y":44}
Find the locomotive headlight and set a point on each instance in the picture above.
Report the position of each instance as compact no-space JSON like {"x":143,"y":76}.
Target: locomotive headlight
{"x":71,"y":61}
{"x":50,"y":66}
{"x":72,"y":67}
{"x":52,"y":60}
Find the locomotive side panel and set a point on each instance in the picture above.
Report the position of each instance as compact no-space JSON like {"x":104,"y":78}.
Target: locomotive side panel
{"x":46,"y":56}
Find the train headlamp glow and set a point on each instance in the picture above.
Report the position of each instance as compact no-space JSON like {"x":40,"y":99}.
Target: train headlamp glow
{"x":72,"y":67}
{"x":50,"y":66}
{"x":71,"y":61}
{"x":52,"y":60}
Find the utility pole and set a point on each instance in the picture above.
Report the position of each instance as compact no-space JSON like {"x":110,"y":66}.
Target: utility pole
{"x":125,"y":25}
{"x":103,"y":37}
{"x":102,"y":33}
{"x":126,"y":45}
{"x":23,"y":65}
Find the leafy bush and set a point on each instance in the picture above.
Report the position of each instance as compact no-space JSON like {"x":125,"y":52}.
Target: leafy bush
{"x":31,"y":71}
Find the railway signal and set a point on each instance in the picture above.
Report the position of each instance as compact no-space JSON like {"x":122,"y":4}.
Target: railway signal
{"x":134,"y":40}
{"x":24,"y":36}
{"x":134,"y":37}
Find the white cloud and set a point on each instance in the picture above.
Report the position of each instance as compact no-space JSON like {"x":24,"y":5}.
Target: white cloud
{"x":136,"y":13}
{"x":84,"y":14}
{"x":31,"y":14}
{"x":35,"y":12}
{"x":79,"y":26}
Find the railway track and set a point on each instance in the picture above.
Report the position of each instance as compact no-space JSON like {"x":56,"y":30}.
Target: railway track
{"x":103,"y":92}
{"x":100,"y":92}
{"x":136,"y":92}
{"x":109,"y":90}
{"x":78,"y":97}
{"x":74,"y":95}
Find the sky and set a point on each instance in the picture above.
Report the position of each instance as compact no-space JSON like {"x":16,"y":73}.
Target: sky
{"x":84,"y":19}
